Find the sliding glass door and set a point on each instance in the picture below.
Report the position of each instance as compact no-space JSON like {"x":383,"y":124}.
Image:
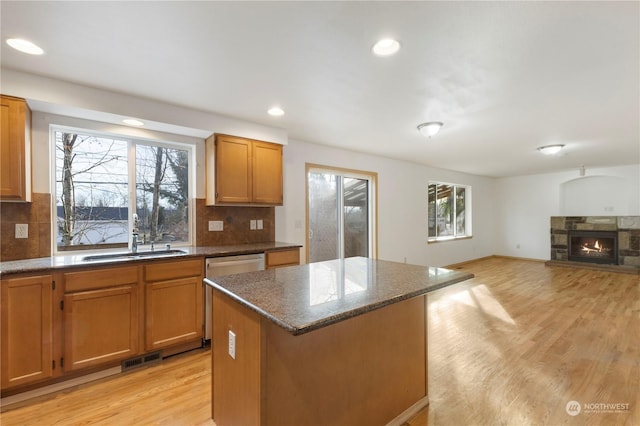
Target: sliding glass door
{"x":339,"y":214}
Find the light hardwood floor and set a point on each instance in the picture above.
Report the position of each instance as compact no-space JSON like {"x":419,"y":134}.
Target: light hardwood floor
{"x":512,"y":346}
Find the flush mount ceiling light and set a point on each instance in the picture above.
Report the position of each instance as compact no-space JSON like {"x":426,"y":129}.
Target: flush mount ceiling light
{"x":275,"y":111}
{"x":133,"y":122}
{"x":550,"y":149}
{"x":25,"y":46}
{"x":430,"y":128}
{"x":386,"y":47}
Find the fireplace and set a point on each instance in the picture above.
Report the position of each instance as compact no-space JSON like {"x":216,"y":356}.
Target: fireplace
{"x":593,"y":246}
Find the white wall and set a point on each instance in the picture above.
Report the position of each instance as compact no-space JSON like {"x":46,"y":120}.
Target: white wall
{"x":78,"y":101}
{"x":402,"y":205}
{"x":507,"y":212}
{"x":524,"y":205}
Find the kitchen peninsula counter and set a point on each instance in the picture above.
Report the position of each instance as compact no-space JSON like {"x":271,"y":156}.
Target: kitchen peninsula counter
{"x":335,"y":342}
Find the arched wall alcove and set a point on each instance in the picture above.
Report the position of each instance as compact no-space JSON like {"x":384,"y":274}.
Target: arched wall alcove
{"x":595,"y":196}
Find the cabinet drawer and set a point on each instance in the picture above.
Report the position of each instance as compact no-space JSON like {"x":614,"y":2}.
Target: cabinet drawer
{"x":171,"y":270}
{"x":100,"y":278}
{"x":282,"y":258}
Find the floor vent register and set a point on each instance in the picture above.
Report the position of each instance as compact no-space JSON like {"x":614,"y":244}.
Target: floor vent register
{"x":136,"y":362}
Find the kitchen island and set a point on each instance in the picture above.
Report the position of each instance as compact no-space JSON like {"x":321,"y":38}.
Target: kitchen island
{"x":335,"y":342}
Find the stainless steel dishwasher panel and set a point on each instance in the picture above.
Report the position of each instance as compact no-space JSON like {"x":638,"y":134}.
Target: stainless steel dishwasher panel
{"x":227,"y":265}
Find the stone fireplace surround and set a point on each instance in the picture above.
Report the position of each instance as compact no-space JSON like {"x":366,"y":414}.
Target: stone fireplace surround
{"x":627,"y":228}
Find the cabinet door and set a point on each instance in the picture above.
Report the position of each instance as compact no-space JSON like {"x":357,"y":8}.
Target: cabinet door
{"x":27,"y":330}
{"x":267,"y":173}
{"x":173,"y":312}
{"x":101,"y":326}
{"x":13,"y":157}
{"x":233,"y":170}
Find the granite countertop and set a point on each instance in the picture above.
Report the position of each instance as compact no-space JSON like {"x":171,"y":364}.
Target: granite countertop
{"x":42,"y":264}
{"x":307,"y":297}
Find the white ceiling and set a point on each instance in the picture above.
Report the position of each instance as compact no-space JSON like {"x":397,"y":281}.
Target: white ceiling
{"x":504,"y":77}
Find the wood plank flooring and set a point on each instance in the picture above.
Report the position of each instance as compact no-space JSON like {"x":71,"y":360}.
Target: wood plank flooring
{"x":512,"y":346}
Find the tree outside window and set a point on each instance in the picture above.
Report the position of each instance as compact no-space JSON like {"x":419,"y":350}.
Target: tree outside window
{"x":92,"y":191}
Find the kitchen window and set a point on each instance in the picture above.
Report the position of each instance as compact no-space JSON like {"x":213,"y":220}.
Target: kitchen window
{"x":449,"y":215}
{"x":341,"y":212}
{"x":102,"y":180}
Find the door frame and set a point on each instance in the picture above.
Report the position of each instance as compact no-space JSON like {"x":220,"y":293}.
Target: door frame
{"x":372,"y":177}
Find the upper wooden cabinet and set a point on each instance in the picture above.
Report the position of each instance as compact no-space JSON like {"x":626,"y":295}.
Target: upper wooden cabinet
{"x":243,"y":171}
{"x":15,"y":150}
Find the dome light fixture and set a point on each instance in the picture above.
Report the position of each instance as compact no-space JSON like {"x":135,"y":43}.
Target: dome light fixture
{"x":275,"y":111}
{"x":550,"y":149}
{"x":25,"y":46}
{"x":386,"y":47}
{"x":430,"y":128}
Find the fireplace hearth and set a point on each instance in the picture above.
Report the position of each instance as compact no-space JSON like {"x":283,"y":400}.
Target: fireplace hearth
{"x":610,"y":243}
{"x":593,"y":247}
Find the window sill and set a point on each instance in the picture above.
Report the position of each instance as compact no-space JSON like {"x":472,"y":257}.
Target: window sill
{"x":446,"y":239}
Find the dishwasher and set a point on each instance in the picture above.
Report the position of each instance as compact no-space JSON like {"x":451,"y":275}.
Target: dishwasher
{"x":227,"y":265}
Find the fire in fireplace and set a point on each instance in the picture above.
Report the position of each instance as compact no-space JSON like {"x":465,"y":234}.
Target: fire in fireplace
{"x":594,"y":246}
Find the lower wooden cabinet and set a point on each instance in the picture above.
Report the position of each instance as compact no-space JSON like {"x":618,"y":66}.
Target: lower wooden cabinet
{"x":280,"y":258}
{"x":100,"y":326}
{"x":26,"y":331}
{"x":173,"y":303}
{"x":68,"y":321}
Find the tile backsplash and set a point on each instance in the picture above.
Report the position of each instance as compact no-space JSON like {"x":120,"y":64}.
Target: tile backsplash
{"x":236,"y":224}
{"x":37,"y":215}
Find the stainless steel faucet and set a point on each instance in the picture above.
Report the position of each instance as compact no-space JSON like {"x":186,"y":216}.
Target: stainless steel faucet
{"x":134,"y":234}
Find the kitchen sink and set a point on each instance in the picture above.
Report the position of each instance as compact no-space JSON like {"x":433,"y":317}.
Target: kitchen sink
{"x":131,"y":255}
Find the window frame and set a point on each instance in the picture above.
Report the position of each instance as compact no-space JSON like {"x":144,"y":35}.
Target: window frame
{"x":132,"y":142}
{"x":467,"y":214}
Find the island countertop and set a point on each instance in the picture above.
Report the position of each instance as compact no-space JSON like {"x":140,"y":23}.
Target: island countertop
{"x":308,"y":297}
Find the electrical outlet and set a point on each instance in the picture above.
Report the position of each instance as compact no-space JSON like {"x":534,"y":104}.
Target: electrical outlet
{"x":216,"y":225}
{"x":22,"y":230}
{"x":252,"y":225}
{"x":232,"y":344}
{"x":260,"y":224}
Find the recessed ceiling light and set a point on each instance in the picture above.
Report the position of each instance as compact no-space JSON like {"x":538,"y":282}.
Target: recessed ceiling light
{"x":133,"y":122}
{"x":550,"y":149}
{"x":275,"y":111}
{"x":25,"y":46}
{"x":386,"y":47}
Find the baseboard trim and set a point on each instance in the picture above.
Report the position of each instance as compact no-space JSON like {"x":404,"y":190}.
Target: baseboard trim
{"x":461,"y":264}
{"x":493,"y":256}
{"x":13,"y":400}
{"x":528,"y":259}
{"x":407,"y":414}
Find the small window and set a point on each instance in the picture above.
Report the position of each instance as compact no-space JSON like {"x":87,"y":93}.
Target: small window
{"x":95,"y":178}
{"x":449,"y":214}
